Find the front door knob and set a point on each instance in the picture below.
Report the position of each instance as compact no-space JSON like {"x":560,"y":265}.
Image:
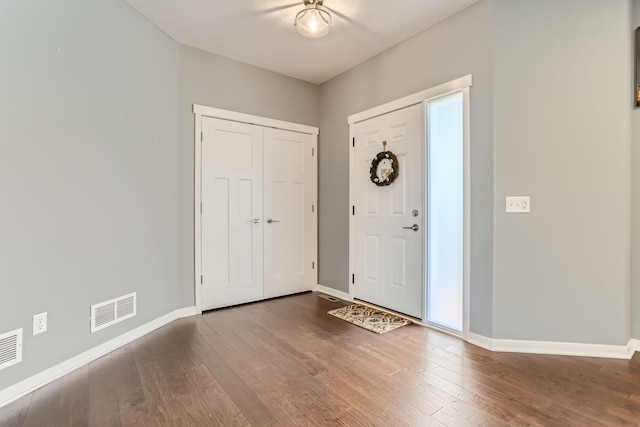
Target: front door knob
{"x":414,"y":227}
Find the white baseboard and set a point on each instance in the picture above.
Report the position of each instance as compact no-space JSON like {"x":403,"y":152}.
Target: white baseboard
{"x":333,"y":292}
{"x":40,"y":379}
{"x":480,"y":341}
{"x":557,"y":348}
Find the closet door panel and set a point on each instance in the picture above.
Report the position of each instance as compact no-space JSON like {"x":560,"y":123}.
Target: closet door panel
{"x":232,"y":198}
{"x":288,"y":177}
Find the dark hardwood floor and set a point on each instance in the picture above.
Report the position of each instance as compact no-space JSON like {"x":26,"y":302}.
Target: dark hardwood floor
{"x":286,"y":362}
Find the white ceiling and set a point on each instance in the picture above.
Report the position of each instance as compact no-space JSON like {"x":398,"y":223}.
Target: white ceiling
{"x":261,"y":32}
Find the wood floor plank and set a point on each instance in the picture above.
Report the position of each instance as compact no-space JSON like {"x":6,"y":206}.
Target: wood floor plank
{"x":487,"y":400}
{"x":132,"y":403}
{"x":14,"y":414}
{"x":175,"y":390}
{"x":378,"y":389}
{"x":220,"y":408}
{"x":46,"y":406}
{"x":570,"y":394}
{"x":286,"y":362}
{"x":223,"y":410}
{"x":251,"y":407}
{"x":75,"y":398}
{"x":456,"y":415}
{"x":514,"y":398}
{"x":160,"y":404}
{"x":292,"y":378}
{"x":268,"y":393}
{"x":103,"y":400}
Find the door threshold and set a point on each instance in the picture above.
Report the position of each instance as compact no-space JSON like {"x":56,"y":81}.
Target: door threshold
{"x":415,"y":320}
{"x":377,"y":307}
{"x":439,"y":328}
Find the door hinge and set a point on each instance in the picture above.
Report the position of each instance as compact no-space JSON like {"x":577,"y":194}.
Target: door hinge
{"x":353,"y":142}
{"x":313,"y":265}
{"x":353,"y":279}
{"x":201,"y":279}
{"x":201,"y":136}
{"x":313,"y":208}
{"x":313,"y":152}
{"x":353,"y":210}
{"x":200,"y":207}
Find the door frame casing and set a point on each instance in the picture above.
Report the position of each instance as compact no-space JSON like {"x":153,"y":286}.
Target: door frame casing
{"x":461,"y":84}
{"x":201,"y":111}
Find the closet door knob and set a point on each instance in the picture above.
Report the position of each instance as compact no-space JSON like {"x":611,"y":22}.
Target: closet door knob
{"x":269,"y":221}
{"x":256,"y":220}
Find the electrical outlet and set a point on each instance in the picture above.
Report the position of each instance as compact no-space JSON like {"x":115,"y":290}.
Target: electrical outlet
{"x":518,"y":204}
{"x":39,"y":323}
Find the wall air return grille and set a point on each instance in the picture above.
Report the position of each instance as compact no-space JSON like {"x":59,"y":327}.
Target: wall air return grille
{"x":110,"y":312}
{"x":10,"y":348}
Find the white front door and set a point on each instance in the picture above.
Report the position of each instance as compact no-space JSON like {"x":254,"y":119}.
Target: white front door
{"x":388,"y":220}
{"x":232,"y":238}
{"x":288,"y":227}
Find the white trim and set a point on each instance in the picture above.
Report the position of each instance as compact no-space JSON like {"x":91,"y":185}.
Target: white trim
{"x":634,"y":345}
{"x":197,"y":212}
{"x":556,"y":348}
{"x":42,"y":378}
{"x":466,"y":279}
{"x":352,"y":231}
{"x":413,"y":99}
{"x":333,"y":292}
{"x":425,"y":213}
{"x":217,"y":113}
{"x":201,"y":111}
{"x":314,"y":220}
{"x":480,"y":341}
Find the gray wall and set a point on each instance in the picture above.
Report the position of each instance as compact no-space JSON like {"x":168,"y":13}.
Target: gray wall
{"x":88,"y":177}
{"x":96,"y":165}
{"x":220,"y":82}
{"x":635,"y":200}
{"x":456,"y":47}
{"x":562,"y":135}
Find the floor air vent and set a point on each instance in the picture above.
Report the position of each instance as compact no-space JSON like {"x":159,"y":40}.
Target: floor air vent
{"x":328,"y":298}
{"x":113,"y":311}
{"x":10,"y":348}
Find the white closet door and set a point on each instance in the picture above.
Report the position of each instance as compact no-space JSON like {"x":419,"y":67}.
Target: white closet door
{"x":232,"y":236}
{"x":388,"y":220}
{"x":288,"y":178}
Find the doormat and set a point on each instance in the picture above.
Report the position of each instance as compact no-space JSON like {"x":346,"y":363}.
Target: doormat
{"x":369,"y":318}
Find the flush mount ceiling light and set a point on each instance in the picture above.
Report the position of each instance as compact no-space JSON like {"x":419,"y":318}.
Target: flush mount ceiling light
{"x":314,"y":20}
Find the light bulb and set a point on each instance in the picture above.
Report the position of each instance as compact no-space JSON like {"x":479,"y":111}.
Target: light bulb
{"x":314,"y":21}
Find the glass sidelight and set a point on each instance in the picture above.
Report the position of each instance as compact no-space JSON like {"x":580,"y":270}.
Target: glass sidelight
{"x":445,"y":210}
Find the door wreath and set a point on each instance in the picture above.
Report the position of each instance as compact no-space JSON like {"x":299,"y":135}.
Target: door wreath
{"x":384,"y":167}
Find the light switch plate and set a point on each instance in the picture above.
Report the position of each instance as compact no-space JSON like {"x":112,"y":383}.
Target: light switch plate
{"x":518,"y":204}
